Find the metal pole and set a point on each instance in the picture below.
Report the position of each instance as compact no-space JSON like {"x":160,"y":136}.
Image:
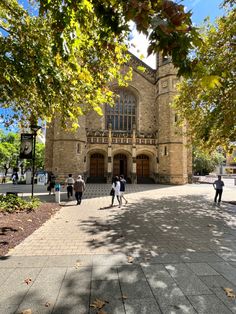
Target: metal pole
{"x":33,"y":163}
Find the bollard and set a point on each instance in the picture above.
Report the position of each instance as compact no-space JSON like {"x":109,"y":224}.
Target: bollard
{"x":57,"y":193}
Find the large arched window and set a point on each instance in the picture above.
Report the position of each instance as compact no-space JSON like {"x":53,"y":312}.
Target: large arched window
{"x":123,"y":115}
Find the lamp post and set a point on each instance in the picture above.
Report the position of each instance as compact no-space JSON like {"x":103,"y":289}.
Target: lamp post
{"x":34,"y":129}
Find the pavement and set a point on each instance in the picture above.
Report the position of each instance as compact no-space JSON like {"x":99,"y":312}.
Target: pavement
{"x":169,"y":250}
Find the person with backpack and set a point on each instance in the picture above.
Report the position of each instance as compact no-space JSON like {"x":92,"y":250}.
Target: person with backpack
{"x":122,"y":189}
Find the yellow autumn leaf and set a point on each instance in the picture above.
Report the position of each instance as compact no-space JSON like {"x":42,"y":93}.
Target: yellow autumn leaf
{"x":98,"y":110}
{"x":88,"y":5}
{"x":210,"y":81}
{"x":58,"y":59}
{"x":140,"y":68}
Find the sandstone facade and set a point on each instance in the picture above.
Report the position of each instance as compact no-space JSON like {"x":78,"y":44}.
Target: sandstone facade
{"x":138,"y":138}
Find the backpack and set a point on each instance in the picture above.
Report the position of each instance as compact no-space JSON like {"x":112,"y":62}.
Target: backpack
{"x":122,"y":185}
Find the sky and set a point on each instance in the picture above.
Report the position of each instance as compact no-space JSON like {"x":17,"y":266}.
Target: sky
{"x":200,"y":10}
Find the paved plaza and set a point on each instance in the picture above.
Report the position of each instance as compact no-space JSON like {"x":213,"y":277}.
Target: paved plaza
{"x":169,"y":250}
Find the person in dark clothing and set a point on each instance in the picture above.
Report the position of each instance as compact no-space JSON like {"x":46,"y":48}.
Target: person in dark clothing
{"x":122,"y":189}
{"x":51,"y":183}
{"x":218,"y":186}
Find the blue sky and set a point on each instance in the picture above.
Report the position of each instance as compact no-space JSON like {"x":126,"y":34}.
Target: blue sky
{"x":203,"y":8}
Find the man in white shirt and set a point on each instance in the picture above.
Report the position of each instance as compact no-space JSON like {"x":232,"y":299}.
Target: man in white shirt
{"x":218,"y":186}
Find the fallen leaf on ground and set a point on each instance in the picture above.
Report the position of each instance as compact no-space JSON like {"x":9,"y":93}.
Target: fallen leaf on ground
{"x":176,"y":307}
{"x":29,"y":311}
{"x":21,"y":228}
{"x":78,"y":264}
{"x":29,"y":220}
{"x":130,"y":259}
{"x":28,"y":281}
{"x":124,"y":297}
{"x":98,"y":304}
{"x":230,"y":292}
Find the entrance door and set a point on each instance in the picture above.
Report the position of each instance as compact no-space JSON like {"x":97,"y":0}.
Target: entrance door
{"x":120,"y":165}
{"x":142,"y":162}
{"x":97,"y":165}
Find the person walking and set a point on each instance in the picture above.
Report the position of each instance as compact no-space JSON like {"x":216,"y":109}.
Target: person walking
{"x":122,"y":189}
{"x":69,"y":186}
{"x":116,"y":188}
{"x":218,"y":186}
{"x":51,"y":183}
{"x":79,"y":187}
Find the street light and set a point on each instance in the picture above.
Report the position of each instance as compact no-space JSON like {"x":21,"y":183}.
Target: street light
{"x":34,"y":129}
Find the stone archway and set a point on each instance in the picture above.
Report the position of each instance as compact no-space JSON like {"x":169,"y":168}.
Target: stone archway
{"x":120,"y":165}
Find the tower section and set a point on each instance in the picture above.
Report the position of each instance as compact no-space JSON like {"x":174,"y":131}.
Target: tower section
{"x":174,"y":151}
{"x":65,"y":150}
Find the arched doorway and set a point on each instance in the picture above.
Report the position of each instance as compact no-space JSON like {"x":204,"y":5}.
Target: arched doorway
{"x":97,"y":165}
{"x":142,"y":168}
{"x":120,"y":165}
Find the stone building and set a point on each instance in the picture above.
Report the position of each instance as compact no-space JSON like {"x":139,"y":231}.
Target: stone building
{"x":138,"y":137}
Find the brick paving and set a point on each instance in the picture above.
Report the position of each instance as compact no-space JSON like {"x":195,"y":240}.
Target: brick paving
{"x":169,"y":250}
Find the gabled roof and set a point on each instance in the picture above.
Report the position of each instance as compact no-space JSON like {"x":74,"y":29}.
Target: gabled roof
{"x":149,"y":73}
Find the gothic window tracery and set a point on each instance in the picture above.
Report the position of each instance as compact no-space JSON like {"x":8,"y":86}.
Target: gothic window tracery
{"x":123,"y":115}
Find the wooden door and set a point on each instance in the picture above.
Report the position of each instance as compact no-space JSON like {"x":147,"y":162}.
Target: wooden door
{"x":120,"y":165}
{"x":142,"y":164}
{"x":97,"y":165}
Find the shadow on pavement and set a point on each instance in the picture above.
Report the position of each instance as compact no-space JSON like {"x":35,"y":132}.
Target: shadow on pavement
{"x":169,"y":224}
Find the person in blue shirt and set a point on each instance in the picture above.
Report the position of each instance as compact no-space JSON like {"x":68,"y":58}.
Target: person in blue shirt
{"x":218,"y":186}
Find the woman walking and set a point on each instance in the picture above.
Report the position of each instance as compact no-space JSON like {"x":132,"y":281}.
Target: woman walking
{"x":116,"y":189}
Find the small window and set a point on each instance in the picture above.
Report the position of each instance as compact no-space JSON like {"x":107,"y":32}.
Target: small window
{"x":78,"y":148}
{"x":176,"y":117}
{"x":165,"y":151}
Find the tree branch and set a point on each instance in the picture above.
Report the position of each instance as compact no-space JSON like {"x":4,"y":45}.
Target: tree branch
{"x":6,"y":30}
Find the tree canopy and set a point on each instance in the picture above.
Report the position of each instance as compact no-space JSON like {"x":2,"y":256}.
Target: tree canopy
{"x":204,"y":163}
{"x":207,"y":100}
{"x":63,"y":60}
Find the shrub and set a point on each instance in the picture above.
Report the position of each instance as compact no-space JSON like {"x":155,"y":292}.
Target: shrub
{"x":11,"y":203}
